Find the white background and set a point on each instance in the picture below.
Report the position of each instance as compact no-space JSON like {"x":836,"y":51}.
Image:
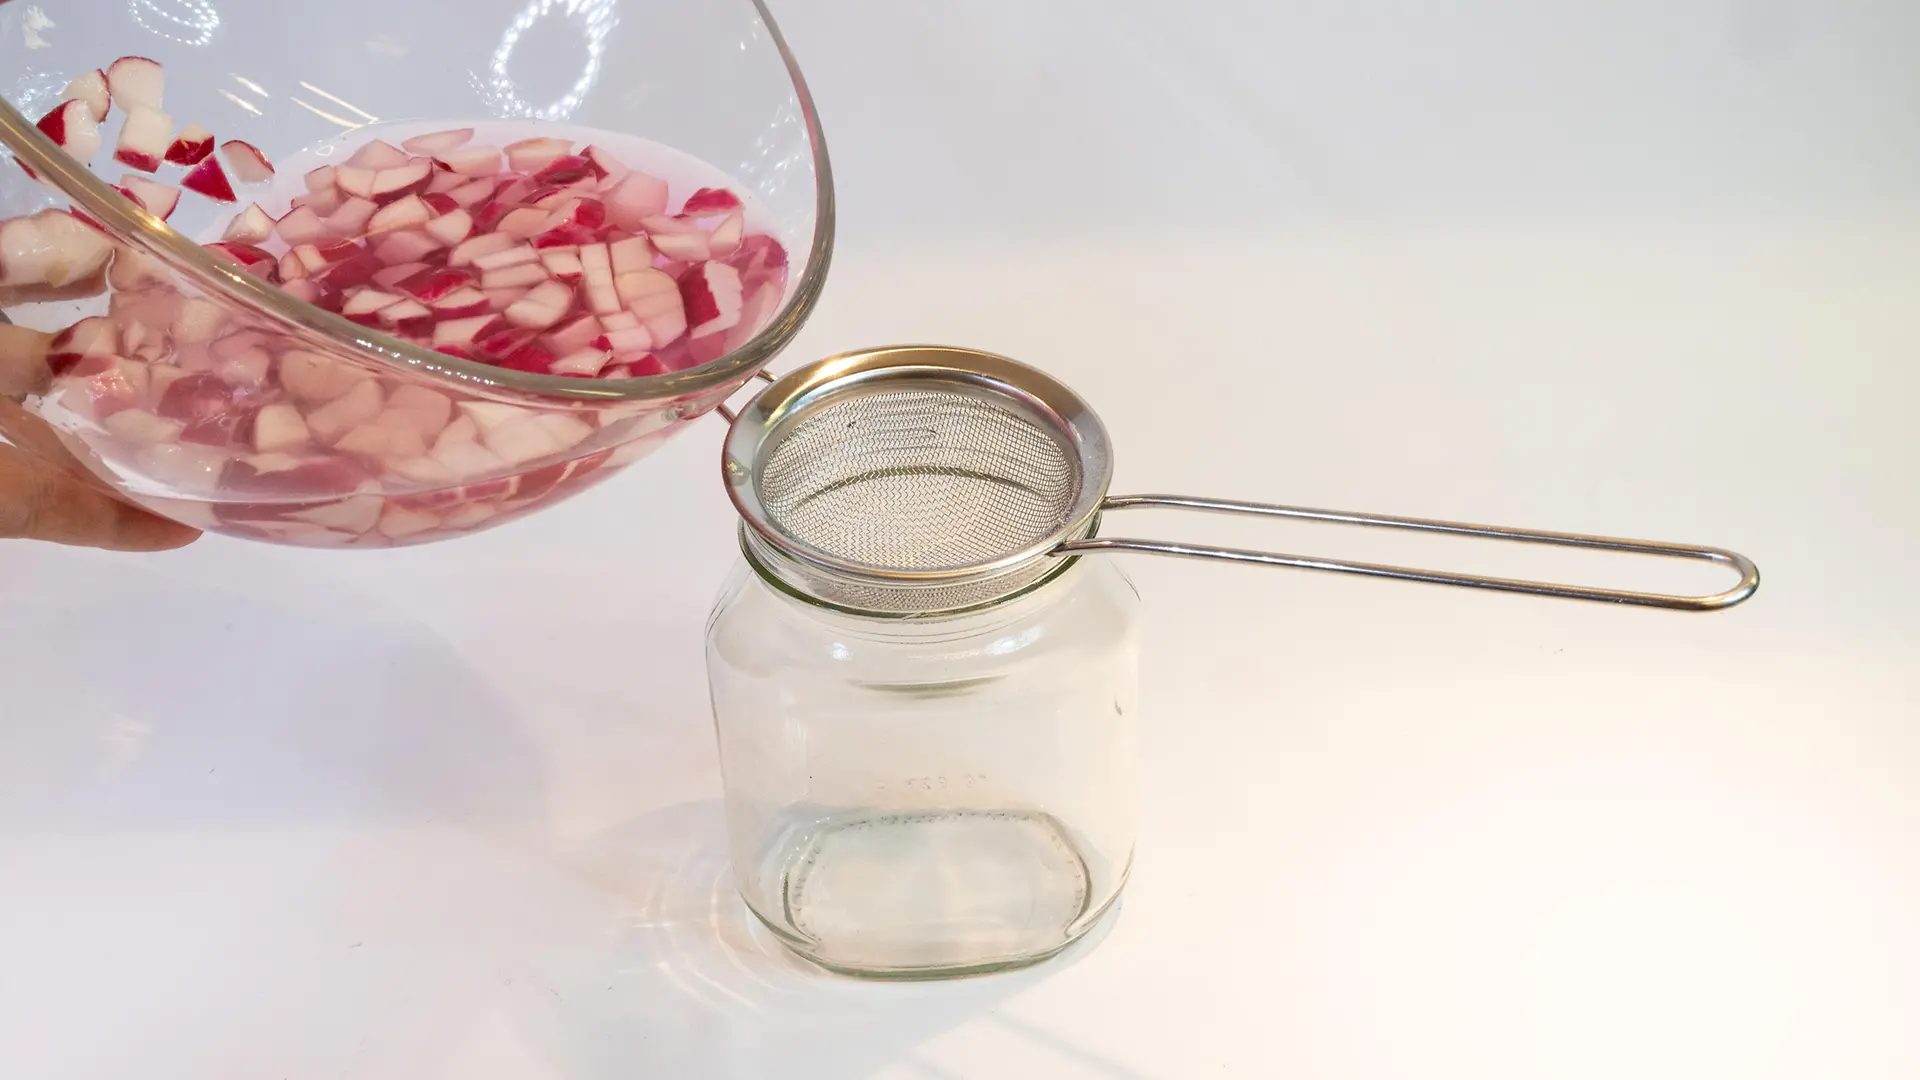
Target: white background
{"x":1649,"y":268}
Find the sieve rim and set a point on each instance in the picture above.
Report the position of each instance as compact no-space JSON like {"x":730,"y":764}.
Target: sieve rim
{"x":813,"y":386}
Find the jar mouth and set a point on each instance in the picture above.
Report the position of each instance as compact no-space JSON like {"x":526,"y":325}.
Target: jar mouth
{"x":871,"y":597}
{"x":222,"y":279}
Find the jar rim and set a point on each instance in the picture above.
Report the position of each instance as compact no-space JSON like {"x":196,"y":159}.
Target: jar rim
{"x":765,"y":559}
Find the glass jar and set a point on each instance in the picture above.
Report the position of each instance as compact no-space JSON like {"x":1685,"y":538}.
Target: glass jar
{"x":928,"y":795}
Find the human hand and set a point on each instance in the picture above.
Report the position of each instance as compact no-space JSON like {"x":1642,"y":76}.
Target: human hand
{"x":46,"y":493}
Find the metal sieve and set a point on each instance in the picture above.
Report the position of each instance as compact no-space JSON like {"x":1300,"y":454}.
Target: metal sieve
{"x":924,"y":479}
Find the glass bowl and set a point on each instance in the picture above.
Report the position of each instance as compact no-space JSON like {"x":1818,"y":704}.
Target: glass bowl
{"x":687,"y":91}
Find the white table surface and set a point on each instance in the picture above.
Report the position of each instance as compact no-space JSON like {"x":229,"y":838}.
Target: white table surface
{"x":1648,"y":268}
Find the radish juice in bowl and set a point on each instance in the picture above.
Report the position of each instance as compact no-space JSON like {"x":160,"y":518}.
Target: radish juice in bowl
{"x":513,"y":309}
{"x":500,"y":245}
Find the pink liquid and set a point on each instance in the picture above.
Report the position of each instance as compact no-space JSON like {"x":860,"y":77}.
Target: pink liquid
{"x":217,"y":418}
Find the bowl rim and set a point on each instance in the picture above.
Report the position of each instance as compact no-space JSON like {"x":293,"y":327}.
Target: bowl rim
{"x":226,"y":280}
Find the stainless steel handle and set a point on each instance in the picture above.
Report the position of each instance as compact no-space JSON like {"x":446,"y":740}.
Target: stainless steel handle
{"x":726,"y":413}
{"x":1749,"y":574}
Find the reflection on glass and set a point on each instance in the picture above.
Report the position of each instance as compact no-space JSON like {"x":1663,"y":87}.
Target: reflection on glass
{"x":595,"y":21}
{"x":189,"y":22}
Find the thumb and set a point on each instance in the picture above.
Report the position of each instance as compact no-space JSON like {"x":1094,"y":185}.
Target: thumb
{"x":39,"y":501}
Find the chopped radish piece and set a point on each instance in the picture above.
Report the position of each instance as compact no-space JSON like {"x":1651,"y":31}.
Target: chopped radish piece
{"x":653,"y":297}
{"x":451,"y":228}
{"x":470,"y":161}
{"x":461,"y":303}
{"x":279,"y":428}
{"x":759,"y":258}
{"x":429,"y":145}
{"x":377,"y":440}
{"x":533,"y":155}
{"x":51,"y":248}
{"x":597,"y":271}
{"x":426,"y":411}
{"x":430,"y":285}
{"x":368,"y":302}
{"x":711,"y":293}
{"x":355,"y":182}
{"x":399,"y":523}
{"x":251,"y":258}
{"x":291,"y":268}
{"x":136,"y":82}
{"x":140,"y":426}
{"x":207,"y":179}
{"x":249,"y":165}
{"x":357,"y":406}
{"x":356,"y":270}
{"x":519,"y":275}
{"x":250,"y":226}
{"x":301,"y":228}
{"x":309,"y":255}
{"x":323,"y":204}
{"x":677,"y":240}
{"x":624,"y":335}
{"x":401,"y":180}
{"x":464,"y":332}
{"x":439,"y":201}
{"x":91,"y":337}
{"x":408,"y":245}
{"x":197,"y":397}
{"x":352,"y":218}
{"x":760,"y":307}
{"x":407,"y":317}
{"x":726,"y":235}
{"x":321,"y":179}
{"x":474,"y":193}
{"x":477,"y":247}
{"x":710,"y":201}
{"x":144,"y":139}
{"x":604,"y":164}
{"x":635,"y":198}
{"x":574,"y":335}
{"x":565,"y":169}
{"x":191,"y":146}
{"x":390,"y":277}
{"x":500,"y":298}
{"x":529,"y":358}
{"x":524,"y":223}
{"x":157,"y":199}
{"x":631,"y":254}
{"x":563,"y":264}
{"x":72,"y":127}
{"x":90,"y":88}
{"x":517,"y":255}
{"x":313,"y":378}
{"x":198,"y":320}
{"x":406,"y":213}
{"x":378,"y":155}
{"x":546,"y":305}
{"x":587,"y":361}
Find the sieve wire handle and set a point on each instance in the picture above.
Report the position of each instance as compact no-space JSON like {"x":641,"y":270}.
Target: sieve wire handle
{"x":1749,"y":574}
{"x":725,"y":413}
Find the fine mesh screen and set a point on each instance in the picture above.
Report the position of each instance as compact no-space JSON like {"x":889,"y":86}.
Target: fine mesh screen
{"x":929,"y":477}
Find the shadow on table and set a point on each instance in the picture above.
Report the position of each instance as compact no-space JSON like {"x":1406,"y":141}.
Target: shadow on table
{"x":690,"y":985}
{"x":142,"y":697}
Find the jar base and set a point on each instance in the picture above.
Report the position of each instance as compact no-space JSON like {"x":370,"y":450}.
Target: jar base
{"x":933,"y":894}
